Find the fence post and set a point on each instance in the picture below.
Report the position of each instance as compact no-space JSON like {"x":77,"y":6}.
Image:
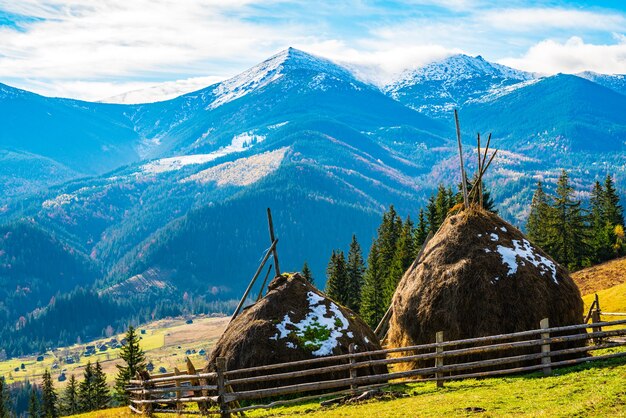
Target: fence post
{"x":439,"y":359}
{"x":352,"y":369}
{"x":545,"y":347}
{"x":220,"y":366}
{"x":179,"y":405}
{"x":595,"y":318}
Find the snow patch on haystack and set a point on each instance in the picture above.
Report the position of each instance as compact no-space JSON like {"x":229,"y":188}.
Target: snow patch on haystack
{"x":316,"y":331}
{"x":524,"y":250}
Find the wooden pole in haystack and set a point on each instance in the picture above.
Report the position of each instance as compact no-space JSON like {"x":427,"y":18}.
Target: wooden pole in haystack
{"x":458,"y":138}
{"x":272,"y":239}
{"x":267,"y":275}
{"x":258,"y":271}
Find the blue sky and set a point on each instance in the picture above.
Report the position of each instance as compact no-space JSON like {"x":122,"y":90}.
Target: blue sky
{"x":93,"y":49}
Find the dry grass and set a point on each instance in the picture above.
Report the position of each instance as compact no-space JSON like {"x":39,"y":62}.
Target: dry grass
{"x":600,"y":277}
{"x":161,"y":343}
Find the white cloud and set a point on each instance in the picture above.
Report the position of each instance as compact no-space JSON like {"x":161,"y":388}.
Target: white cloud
{"x":573,"y":56}
{"x":525,"y":19}
{"x":95,"y":49}
{"x":93,"y":39}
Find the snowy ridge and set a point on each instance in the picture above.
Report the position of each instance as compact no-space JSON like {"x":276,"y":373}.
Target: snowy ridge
{"x":459,"y":67}
{"x":271,"y":70}
{"x":497,"y":92}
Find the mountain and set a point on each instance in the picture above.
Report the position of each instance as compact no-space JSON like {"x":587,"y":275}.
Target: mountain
{"x":45,"y":141}
{"x":296,"y":133}
{"x":173,"y":219}
{"x":616,"y":82}
{"x":559,"y":113}
{"x":439,"y":87}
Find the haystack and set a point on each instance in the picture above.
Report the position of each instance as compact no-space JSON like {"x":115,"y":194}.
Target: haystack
{"x":480,"y":276}
{"x":294,"y":321}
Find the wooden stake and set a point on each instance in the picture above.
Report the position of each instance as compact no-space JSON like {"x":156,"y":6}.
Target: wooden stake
{"x":272,"y":239}
{"x":458,"y":138}
{"x":545,"y":348}
{"x":258,"y":271}
{"x":267,"y":275}
{"x":220,"y":366}
{"x":477,"y":185}
{"x":439,"y":360}
{"x":353,"y":372}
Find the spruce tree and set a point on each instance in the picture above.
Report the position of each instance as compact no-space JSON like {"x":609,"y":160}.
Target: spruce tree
{"x":388,"y":234}
{"x":86,"y":390}
{"x":372,"y":304}
{"x":306,"y":273}
{"x":403,"y":257}
{"x":134,"y":361}
{"x":431,"y":215}
{"x":33,"y":404}
{"x":601,"y":231}
{"x":354,"y":272}
{"x":69,"y":400}
{"x":539,"y":217}
{"x":568,"y":233}
{"x":443,"y":203}
{"x":612,"y":208}
{"x":48,"y":397}
{"x":101,"y":395}
{"x":4,"y":396}
{"x":337,"y":279}
{"x":421,"y":232}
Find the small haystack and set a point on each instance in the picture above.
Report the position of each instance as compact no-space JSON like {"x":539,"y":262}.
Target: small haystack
{"x":294,"y":321}
{"x":480,"y":276}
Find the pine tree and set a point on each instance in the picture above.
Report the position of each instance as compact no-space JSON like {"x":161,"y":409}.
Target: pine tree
{"x":568,"y":232}
{"x":48,"y":397}
{"x":601,"y":229}
{"x":354,"y":272}
{"x":101,"y":396}
{"x":69,"y":401}
{"x":403,"y":257}
{"x":86,"y":390}
{"x":4,"y":396}
{"x":134,"y":361}
{"x":612,"y":208}
{"x":539,"y":217}
{"x":306,"y":273}
{"x":337,"y":279}
{"x":33,"y":404}
{"x":388,"y":234}
{"x":443,"y":203}
{"x":372,"y":304}
{"x":431,"y":215}
{"x":421,"y":232}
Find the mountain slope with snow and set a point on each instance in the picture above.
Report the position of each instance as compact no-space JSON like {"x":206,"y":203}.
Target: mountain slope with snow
{"x":441,"y":86}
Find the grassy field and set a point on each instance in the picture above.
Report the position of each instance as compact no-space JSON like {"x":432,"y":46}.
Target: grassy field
{"x":165,"y":343}
{"x":600,"y":277}
{"x":592,"y":390}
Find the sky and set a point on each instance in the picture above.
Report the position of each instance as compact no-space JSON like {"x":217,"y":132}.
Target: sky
{"x":94,"y":49}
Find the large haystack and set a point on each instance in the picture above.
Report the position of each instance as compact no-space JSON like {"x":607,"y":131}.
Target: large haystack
{"x":480,"y":276}
{"x":294,"y":321}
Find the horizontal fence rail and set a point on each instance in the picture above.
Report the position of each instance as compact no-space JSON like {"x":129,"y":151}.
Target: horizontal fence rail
{"x":221,"y":392}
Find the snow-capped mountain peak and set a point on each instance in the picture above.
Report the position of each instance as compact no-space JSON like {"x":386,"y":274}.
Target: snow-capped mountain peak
{"x":460,"y":67}
{"x":270,"y":70}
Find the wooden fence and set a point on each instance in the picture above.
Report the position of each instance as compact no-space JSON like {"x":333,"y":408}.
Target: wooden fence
{"x":215,"y":395}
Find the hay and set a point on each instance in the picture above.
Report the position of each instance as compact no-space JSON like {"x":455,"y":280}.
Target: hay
{"x":480,"y":276}
{"x":293,"y":322}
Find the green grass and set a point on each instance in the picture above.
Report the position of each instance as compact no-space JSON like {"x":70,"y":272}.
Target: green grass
{"x":590,"y":390}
